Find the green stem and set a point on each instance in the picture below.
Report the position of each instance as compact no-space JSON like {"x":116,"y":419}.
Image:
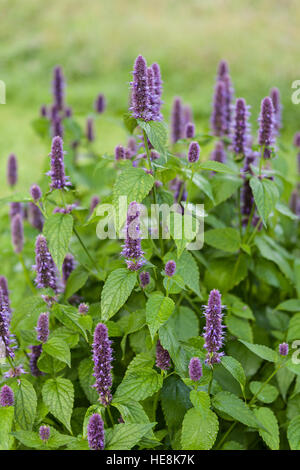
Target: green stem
{"x":155,"y":404}
{"x":110,"y":416}
{"x":226,"y":435}
{"x":85,"y":248}
{"x":26,"y":274}
{"x":253,"y":399}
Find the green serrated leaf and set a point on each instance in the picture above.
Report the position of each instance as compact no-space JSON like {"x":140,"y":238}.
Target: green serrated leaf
{"x":266,"y":195}
{"x":199,"y":429}
{"x":139,"y":383}
{"x":87,"y":380}
{"x":271,"y":433}
{"x":262,"y":351}
{"x":58,"y":395}
{"x":236,"y":408}
{"x":293,"y":433}
{"x":58,"y":231}
{"x":6,"y":420}
{"x":116,"y":291}
{"x":125,"y":436}
{"x":58,"y":349}
{"x":225,"y":239}
{"x":235,"y":368}
{"x":158,"y":310}
{"x":25,"y":405}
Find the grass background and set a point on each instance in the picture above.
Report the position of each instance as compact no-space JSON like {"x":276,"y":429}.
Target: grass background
{"x":96,"y":42}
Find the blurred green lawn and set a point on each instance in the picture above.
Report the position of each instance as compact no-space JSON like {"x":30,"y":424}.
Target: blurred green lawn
{"x":96,"y":41}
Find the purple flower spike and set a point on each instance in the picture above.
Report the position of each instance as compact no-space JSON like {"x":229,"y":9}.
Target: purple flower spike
{"x":219,"y":153}
{"x":43,"y":328}
{"x":119,"y":152}
{"x":67,"y":267}
{"x":240,"y":128}
{"x":132,"y":251}
{"x":140,"y":90}
{"x":150,"y":79}
{"x":283,"y":349}
{"x":297,"y":139}
{"x":170,"y":268}
{"x":57,"y":127}
{"x":95,"y":432}
{"x":214,"y":329}
{"x":194,"y":152}
{"x":177,"y":120}
{"x":163,"y":360}
{"x":102,"y":357}
{"x":12,"y":170}
{"x":94,"y":203}
{"x":44,"y":433}
{"x":218,"y":117}
{"x":100,"y":103}
{"x":187,"y":114}
{"x":223,"y":69}
{"x":132,"y":146}
{"x":35,"y":192}
{"x":6,"y":396}
{"x":195,"y":369}
{"x":189,"y":130}
{"x":144,"y":278}
{"x":295,"y":202}
{"x":58,"y":86}
{"x":90,"y":135}
{"x":44,"y":267}
{"x":266,"y":126}
{"x":5,"y":292}
{"x":35,"y":217}
{"x":17,"y":233}
{"x":68,"y":112}
{"x":83,"y":309}
{"x":157,"y":92}
{"x":15,"y":208}
{"x":5,"y":335}
{"x":275,"y":97}
{"x":58,"y":178}
{"x":36,"y":352}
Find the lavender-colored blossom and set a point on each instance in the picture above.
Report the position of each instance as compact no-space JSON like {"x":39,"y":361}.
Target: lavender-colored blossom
{"x":5,"y":335}
{"x":44,"y":267}
{"x":90,"y":134}
{"x":67,"y":267}
{"x":83,"y":309}
{"x":119,"y":152}
{"x":95,"y":432}
{"x":15,"y":208}
{"x":163,"y":360}
{"x":36,"y":352}
{"x":266,"y":126}
{"x":157,"y":92}
{"x":189,"y":131}
{"x":65,"y":210}
{"x":132,"y":146}
{"x":144,"y":278}
{"x":35,"y":192}
{"x":247,"y":198}
{"x":223,"y":69}
{"x":42,"y":328}
{"x":17,"y":233}
{"x":17,"y":371}
{"x":194,"y":152}
{"x":297,"y":139}
{"x":140,"y":90}
{"x":58,"y":86}
{"x":6,"y":396}
{"x":177,"y":120}
{"x":132,"y":251}
{"x":218,"y":117}
{"x":170,"y":268}
{"x":12,"y":170}
{"x":58,"y":178}
{"x":240,"y":128}
{"x":187,"y":114}
{"x":283,"y":349}
{"x":53,"y":112}
{"x":100,"y":103}
{"x":214,"y":329}
{"x":275,"y":97}
{"x":219,"y":153}
{"x":295,"y":202}
{"x":44,"y":433}
{"x":57,"y":128}
{"x":35,"y":216}
{"x":195,"y":369}
{"x":228,"y":100}
{"x":5,"y":293}
{"x":102,"y":357}
{"x":150,"y":80}
{"x":94,"y":203}
{"x":43,"y":111}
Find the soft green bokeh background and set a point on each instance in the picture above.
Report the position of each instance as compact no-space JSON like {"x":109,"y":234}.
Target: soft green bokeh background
{"x":96,"y":41}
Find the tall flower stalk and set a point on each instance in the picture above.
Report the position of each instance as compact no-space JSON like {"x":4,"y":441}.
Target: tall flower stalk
{"x":132,"y":251}
{"x":102,"y":358}
{"x":213,"y":330}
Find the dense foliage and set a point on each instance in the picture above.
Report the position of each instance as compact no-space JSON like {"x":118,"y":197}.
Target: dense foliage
{"x":145,"y":343}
